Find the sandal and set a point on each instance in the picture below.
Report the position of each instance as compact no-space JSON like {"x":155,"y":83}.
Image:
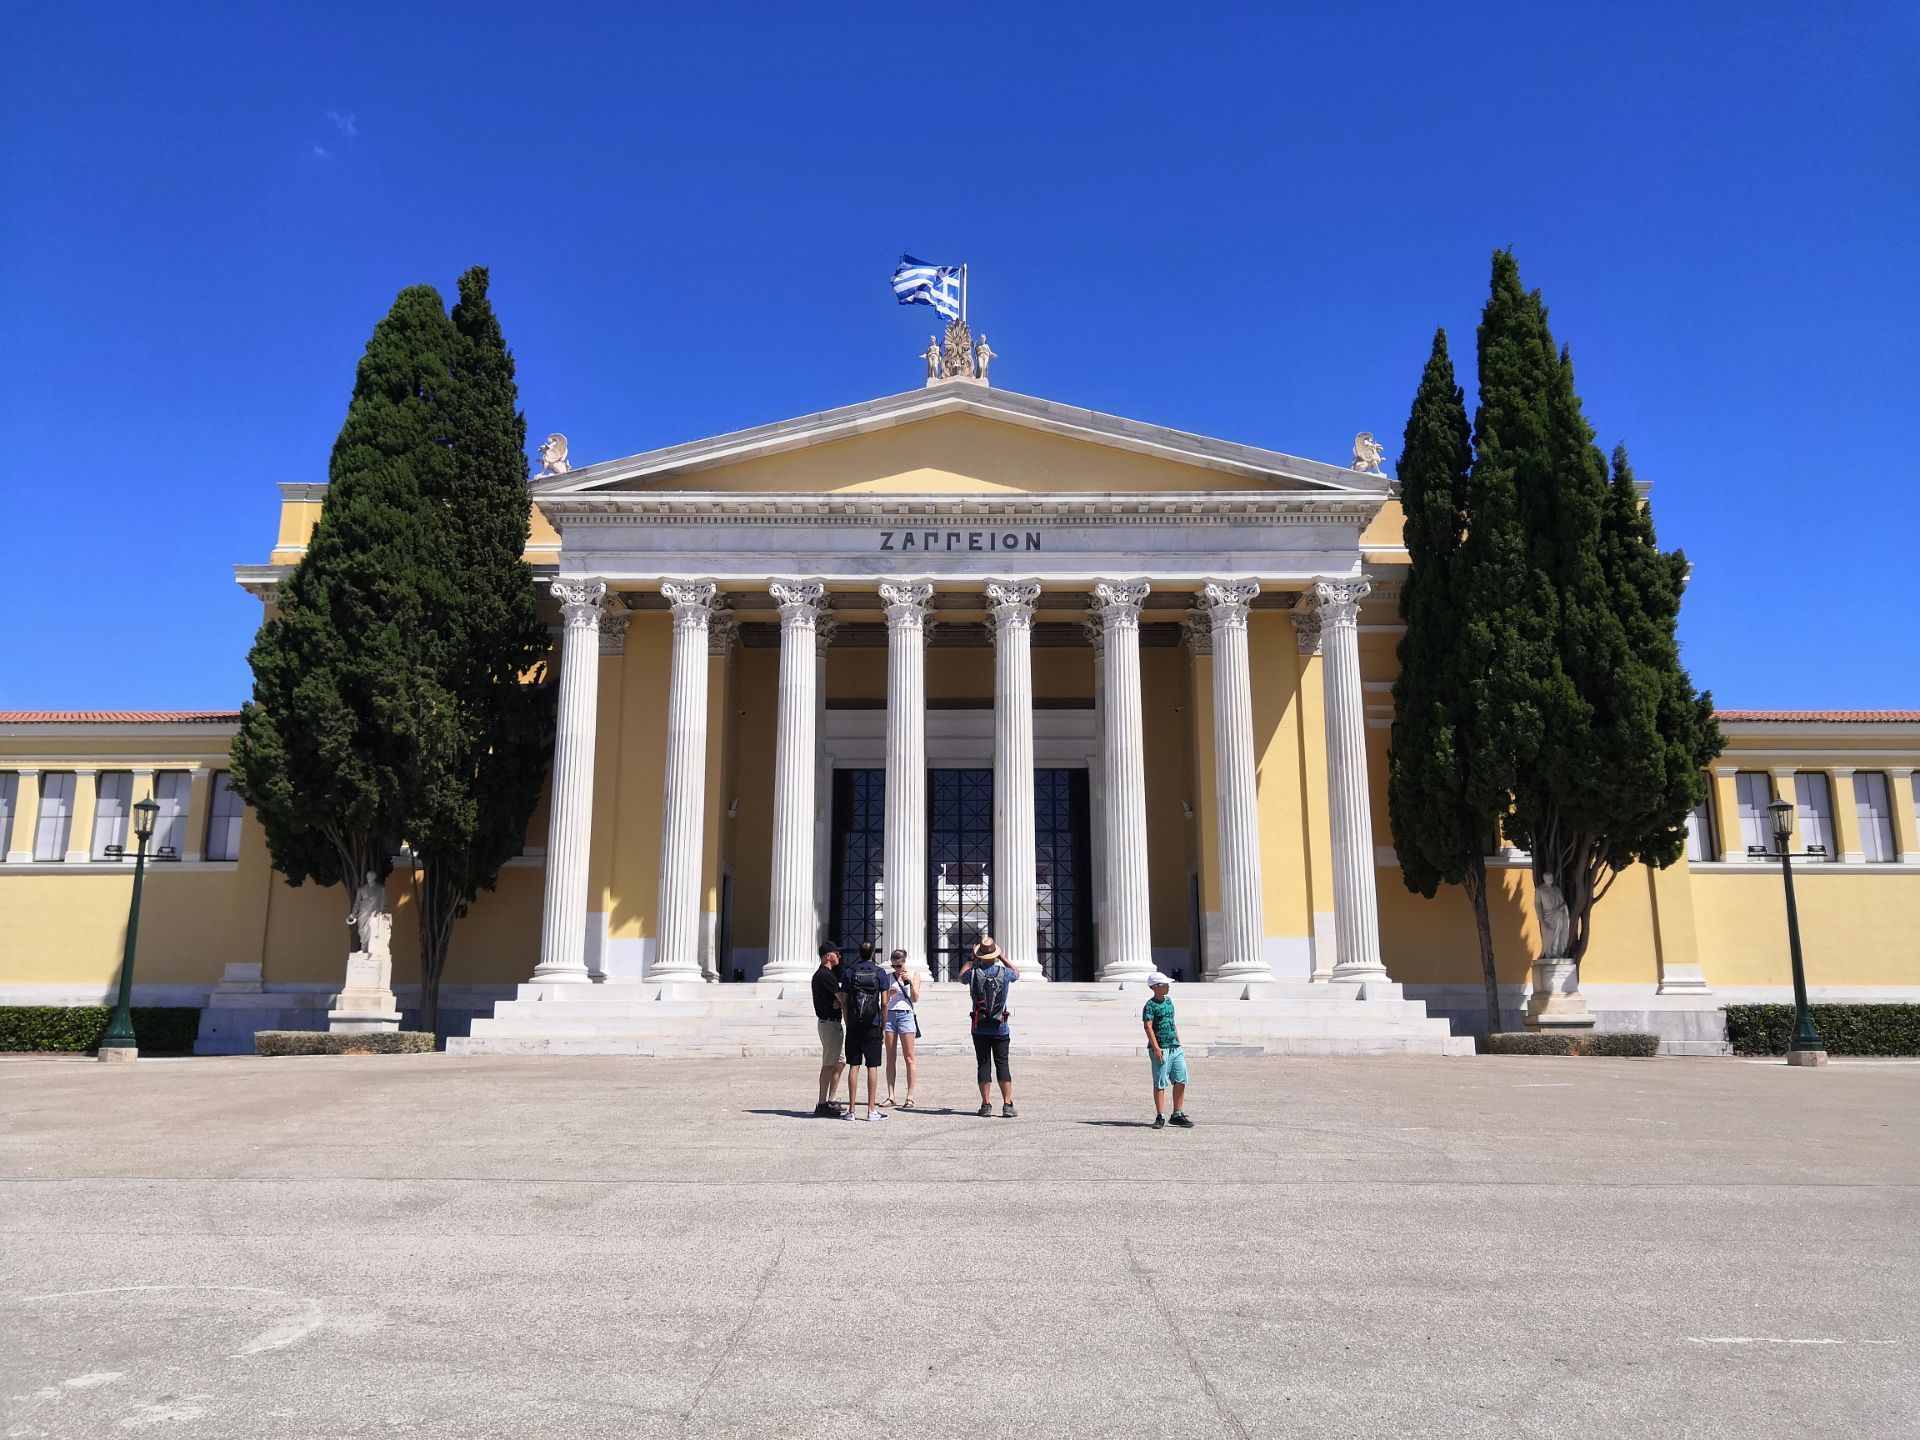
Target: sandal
{"x":887,"y":1103}
{"x":907,"y":1104}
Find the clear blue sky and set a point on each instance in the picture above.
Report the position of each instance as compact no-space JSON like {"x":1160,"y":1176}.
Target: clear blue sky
{"x":1234,"y":220}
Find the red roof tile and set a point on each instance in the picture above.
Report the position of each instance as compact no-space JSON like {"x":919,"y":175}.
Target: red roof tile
{"x":119,"y":717}
{"x":1823,"y":717}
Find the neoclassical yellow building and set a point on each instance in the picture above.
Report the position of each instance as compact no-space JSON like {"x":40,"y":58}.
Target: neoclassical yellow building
{"x":850,"y":674}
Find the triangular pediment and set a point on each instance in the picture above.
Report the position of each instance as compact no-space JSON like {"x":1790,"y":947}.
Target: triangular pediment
{"x":960,"y":439}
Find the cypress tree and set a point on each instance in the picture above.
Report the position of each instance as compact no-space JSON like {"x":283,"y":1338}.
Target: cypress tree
{"x":336,"y":728}
{"x":1439,"y":833}
{"x":1584,"y":720}
{"x":467,"y":811}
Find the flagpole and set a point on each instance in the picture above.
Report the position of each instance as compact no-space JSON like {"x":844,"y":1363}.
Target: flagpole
{"x":963,"y":292}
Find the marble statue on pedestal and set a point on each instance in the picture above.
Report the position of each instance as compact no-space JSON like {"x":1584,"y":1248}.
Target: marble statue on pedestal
{"x":1367,"y":453}
{"x":982,"y":353}
{"x":553,"y":455}
{"x":366,"y":999}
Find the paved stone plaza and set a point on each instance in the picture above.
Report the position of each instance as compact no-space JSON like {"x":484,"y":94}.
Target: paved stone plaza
{"x":535,"y":1246}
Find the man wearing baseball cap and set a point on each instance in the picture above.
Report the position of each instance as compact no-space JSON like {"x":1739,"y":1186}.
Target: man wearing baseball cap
{"x":1163,"y":1048}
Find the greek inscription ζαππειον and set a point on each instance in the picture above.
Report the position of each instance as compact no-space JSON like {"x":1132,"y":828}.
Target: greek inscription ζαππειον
{"x":949,"y":540}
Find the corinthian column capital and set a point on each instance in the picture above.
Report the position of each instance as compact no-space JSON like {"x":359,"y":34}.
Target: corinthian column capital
{"x":613,"y":632}
{"x":1338,"y":601}
{"x":907,"y":603}
{"x":1118,"y":602}
{"x":800,"y":602}
{"x":1228,"y":600}
{"x":1196,"y":628}
{"x":693,"y":601}
{"x":581,"y":602}
{"x":1011,"y":603}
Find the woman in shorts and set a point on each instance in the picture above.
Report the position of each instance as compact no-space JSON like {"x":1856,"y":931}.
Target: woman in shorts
{"x":903,"y":1022}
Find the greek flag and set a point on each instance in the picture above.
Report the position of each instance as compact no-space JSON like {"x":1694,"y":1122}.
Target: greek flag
{"x":917,"y":283}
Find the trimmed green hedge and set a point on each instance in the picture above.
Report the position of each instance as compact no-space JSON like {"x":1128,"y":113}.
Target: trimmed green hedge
{"x":157,"y":1029}
{"x":1627,"y":1044}
{"x":329,"y":1042}
{"x":1847,"y":1029}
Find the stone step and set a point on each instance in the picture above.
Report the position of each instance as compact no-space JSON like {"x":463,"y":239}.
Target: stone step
{"x":1039,"y":1014}
{"x":682,"y":1048}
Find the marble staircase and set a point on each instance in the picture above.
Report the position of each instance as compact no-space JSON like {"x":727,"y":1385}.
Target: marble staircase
{"x":641,"y":1018}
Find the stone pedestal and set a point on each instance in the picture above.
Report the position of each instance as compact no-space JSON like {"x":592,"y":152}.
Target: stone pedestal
{"x":117,"y":1053}
{"x":1556,"y":1002}
{"x":366,"y":1002}
{"x":1794,"y":1057}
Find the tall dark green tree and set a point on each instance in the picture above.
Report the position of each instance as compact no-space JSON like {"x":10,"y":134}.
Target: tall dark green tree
{"x":1584,"y":719}
{"x":336,"y":731}
{"x":467,"y":811}
{"x":1441,"y":825}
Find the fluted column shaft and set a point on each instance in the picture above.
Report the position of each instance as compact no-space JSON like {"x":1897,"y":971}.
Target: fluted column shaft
{"x":563,"y":917}
{"x":1016,"y":922}
{"x":1356,"y":906}
{"x":904,"y":848}
{"x":1126,"y":951}
{"x":790,"y":922}
{"x":1242,"y":916}
{"x":678,"y":956}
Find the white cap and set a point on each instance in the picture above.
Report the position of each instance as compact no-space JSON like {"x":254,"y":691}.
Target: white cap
{"x":1158,"y":979}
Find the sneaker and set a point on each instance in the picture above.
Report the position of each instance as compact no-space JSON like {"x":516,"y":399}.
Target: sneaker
{"x":873,"y":1115}
{"x":1159,"y":1122}
{"x":850,"y":1113}
{"x":1007,"y":1112}
{"x":824,"y":1109}
{"x":985,"y":1110}
{"x":1180,"y":1119}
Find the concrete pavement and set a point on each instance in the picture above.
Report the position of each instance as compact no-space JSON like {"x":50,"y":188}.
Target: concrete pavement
{"x":442,"y":1246}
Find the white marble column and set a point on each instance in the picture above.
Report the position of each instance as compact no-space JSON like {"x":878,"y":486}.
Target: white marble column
{"x":1096,"y":632}
{"x":1126,"y":950}
{"x":1236,"y":801}
{"x":904,"y":849}
{"x":1016,"y":924}
{"x":791,"y":941}
{"x":824,"y":625}
{"x":563,"y":918}
{"x":678,"y":915}
{"x":1356,"y":907}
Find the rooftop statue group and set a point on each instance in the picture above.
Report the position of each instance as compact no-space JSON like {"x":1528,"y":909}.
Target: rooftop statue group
{"x":958,"y":359}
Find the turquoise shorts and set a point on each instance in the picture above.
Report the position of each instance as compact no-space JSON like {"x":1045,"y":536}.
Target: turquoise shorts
{"x":1170,"y":1069}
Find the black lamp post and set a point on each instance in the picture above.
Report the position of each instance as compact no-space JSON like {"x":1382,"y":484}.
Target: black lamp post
{"x":1806,"y":1047}
{"x":118,"y":1042}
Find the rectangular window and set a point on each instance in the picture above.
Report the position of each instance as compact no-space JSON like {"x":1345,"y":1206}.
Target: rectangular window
{"x":1701,"y":844}
{"x":170,"y":791}
{"x":1873,"y":804}
{"x":110,"y":812}
{"x":1815,"y":814}
{"x":223,"y":820}
{"x":9,"y":797}
{"x":56,"y":815}
{"x":1754,"y":789}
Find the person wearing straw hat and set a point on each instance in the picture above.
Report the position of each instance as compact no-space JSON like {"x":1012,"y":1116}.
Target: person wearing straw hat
{"x":1163,"y":1049}
{"x":989,"y":976}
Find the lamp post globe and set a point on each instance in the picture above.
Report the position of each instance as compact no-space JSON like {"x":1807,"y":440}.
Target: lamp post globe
{"x":118,"y":1042}
{"x":1805,"y":1047}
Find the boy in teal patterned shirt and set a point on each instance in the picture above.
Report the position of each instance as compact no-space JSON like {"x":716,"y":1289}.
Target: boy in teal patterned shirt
{"x":1169,"y":1061}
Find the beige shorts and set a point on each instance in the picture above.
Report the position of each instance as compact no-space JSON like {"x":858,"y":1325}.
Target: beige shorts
{"x":833,"y":1042}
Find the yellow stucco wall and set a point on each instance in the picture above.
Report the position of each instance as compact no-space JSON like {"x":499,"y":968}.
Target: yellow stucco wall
{"x":957,"y":454}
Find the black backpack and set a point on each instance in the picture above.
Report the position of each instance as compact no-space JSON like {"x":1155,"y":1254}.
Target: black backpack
{"x":863,"y":994}
{"x":989,"y":987}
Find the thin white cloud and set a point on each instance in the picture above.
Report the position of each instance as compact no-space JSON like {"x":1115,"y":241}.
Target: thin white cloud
{"x":320,"y":153}
{"x":343,"y":123}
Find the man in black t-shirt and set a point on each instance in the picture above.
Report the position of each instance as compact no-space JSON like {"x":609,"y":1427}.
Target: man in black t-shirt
{"x":826,"y":1011}
{"x":863,"y":997}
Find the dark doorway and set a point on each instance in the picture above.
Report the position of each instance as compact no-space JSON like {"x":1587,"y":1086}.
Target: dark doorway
{"x":960,"y":870}
{"x":1063,"y":862}
{"x":859,"y":851}
{"x":959,"y":865}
